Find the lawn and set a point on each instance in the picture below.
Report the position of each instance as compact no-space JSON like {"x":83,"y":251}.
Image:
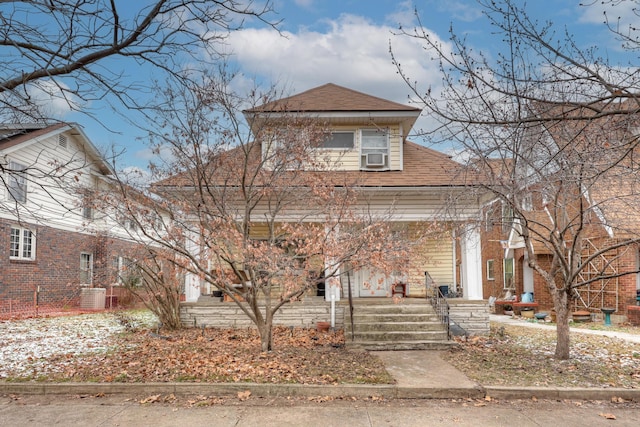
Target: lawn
{"x":125,"y":347}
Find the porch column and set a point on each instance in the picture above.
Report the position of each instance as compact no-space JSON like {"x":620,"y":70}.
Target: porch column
{"x":471,"y":250}
{"x":192,"y":281}
{"x":332,"y":286}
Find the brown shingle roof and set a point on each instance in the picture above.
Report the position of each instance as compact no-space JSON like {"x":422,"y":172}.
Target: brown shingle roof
{"x":423,"y":167}
{"x":17,"y":136}
{"x":331,"y":97}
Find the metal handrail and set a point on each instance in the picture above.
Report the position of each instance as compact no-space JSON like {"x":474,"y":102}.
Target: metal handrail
{"x":439,"y":303}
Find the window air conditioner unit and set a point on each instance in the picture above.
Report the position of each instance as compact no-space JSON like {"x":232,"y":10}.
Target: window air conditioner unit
{"x":376,"y":159}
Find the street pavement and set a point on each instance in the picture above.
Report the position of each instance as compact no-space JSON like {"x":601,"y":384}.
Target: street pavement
{"x":428,"y":391}
{"x":70,"y":411}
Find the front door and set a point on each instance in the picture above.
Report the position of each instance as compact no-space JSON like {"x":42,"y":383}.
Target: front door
{"x":372,"y":283}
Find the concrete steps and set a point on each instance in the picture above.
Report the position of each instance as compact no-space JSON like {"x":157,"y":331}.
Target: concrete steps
{"x":396,"y":327}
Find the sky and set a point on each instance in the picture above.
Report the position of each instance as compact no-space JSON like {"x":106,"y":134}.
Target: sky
{"x":347,"y":42}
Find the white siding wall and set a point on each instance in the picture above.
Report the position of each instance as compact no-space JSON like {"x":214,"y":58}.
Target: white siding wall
{"x":56,"y":202}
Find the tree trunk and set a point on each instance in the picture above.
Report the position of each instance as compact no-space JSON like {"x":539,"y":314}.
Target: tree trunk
{"x":561,"y":305}
{"x":265,"y":330}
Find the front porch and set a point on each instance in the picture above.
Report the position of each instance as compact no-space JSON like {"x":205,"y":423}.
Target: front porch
{"x":471,"y":316}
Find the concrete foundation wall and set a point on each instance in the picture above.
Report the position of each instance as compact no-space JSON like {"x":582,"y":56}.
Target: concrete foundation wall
{"x":472,"y":316}
{"x":229,"y":315}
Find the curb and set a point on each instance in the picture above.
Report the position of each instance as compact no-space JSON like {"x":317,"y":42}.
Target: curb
{"x":561,"y":393}
{"x":309,"y":390}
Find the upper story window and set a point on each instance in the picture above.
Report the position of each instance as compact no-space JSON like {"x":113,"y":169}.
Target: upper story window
{"x":374,"y":149}
{"x":340,"y":141}
{"x":23,"y":244}
{"x":17,"y":182}
{"x":507,"y":216}
{"x":527,"y":202}
{"x":87,"y":213}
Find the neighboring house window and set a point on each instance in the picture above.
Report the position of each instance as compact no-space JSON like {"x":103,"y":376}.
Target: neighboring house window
{"x":340,"y":141}
{"x":488,"y":219}
{"x":23,"y":244}
{"x":374,"y":149}
{"x":508,"y":273}
{"x":17,"y":185}
{"x":507,"y":216}
{"x":527,"y":202}
{"x":86,"y":268}
{"x":490,"y":270}
{"x":87,"y":213}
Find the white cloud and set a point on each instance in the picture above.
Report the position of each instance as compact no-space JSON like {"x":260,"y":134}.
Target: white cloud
{"x":625,"y":12}
{"x":351,"y":52}
{"x":404,"y":15}
{"x":53,"y":99}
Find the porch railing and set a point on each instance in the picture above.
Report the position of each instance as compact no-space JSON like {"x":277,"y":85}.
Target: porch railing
{"x":439,"y":303}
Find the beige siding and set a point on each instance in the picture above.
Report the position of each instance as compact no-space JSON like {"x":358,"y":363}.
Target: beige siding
{"x":350,"y":159}
{"x":433,"y":255}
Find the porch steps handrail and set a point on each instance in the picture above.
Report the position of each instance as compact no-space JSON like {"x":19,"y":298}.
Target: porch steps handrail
{"x":439,"y":303}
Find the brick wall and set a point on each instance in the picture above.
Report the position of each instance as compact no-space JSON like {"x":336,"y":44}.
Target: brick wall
{"x":56,"y":268}
{"x":625,"y":295}
{"x":633,"y":314}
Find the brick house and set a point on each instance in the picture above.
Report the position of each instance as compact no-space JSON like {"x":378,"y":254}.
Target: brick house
{"x":53,"y":241}
{"x":604,"y":209}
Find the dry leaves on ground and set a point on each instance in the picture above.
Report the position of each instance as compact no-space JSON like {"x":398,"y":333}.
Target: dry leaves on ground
{"x":303,"y":356}
{"x":518,"y":356}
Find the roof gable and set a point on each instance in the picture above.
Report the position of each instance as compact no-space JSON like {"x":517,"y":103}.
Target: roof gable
{"x":332,"y":98}
{"x":15,"y":137}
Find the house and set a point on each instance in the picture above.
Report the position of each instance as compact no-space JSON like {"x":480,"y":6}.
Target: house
{"x":54,"y":241}
{"x":368,"y":146}
{"x":595,"y":211}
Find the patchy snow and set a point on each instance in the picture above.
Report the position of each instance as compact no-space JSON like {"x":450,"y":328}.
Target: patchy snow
{"x":26,"y":345}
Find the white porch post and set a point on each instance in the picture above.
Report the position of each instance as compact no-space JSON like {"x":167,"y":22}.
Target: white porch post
{"x":471,"y":263}
{"x":192,"y":281}
{"x":332,"y":273}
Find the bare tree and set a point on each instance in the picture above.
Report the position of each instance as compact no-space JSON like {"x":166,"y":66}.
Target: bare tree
{"x":551,"y":127}
{"x":69,"y":54}
{"x":258,"y":212}
{"x":77,"y":51}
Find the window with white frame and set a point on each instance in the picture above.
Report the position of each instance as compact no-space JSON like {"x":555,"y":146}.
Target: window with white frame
{"x":527,"y":202}
{"x":374,"y":149}
{"x":87,"y":213}
{"x":17,"y":182}
{"x":86,"y":268}
{"x":340,"y":140}
{"x":489,"y":219}
{"x":508,"y":272}
{"x":490,"y":270}
{"x":507,"y":216}
{"x":23,"y":244}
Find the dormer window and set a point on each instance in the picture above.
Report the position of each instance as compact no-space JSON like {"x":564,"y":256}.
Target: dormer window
{"x":374,"y":149}
{"x":340,"y":141}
